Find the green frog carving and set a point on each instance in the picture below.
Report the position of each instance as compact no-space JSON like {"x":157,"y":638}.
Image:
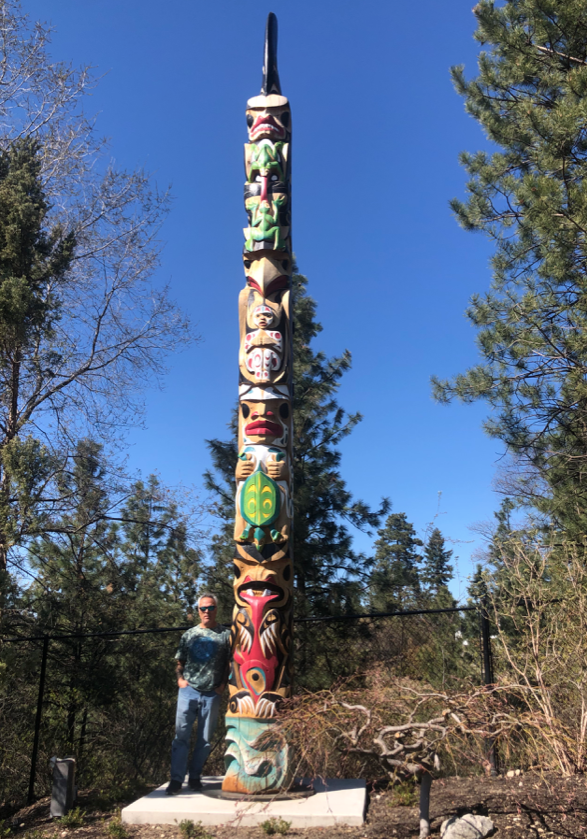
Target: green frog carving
{"x":266,"y":160}
{"x":264,"y":221}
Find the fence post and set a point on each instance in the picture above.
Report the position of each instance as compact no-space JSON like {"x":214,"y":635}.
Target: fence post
{"x":488,"y":676}
{"x":31,"y":795}
{"x":486,"y":643}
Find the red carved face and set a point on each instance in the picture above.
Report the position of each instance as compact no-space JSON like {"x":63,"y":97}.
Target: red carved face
{"x":272,"y":576}
{"x":256,"y":652}
{"x":264,"y":422}
{"x":268,"y":123}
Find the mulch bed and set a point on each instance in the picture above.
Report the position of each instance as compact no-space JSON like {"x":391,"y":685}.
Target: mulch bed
{"x":525,"y":807}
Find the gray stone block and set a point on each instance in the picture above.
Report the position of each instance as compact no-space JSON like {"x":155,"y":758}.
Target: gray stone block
{"x":63,"y":792}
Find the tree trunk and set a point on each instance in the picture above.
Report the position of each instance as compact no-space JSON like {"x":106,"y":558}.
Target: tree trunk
{"x":71,"y":714}
{"x":82,"y":743}
{"x":10,"y":434}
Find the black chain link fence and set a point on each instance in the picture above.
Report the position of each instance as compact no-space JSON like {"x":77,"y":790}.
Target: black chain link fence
{"x":442,"y":648}
{"x":109,"y":698}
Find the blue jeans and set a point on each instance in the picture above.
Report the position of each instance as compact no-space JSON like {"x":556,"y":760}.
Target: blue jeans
{"x":193,"y":704}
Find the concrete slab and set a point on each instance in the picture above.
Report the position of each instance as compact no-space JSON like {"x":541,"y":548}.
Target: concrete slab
{"x":336,"y":802}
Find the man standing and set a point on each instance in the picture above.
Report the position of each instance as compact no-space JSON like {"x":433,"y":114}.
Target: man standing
{"x":202,"y":672}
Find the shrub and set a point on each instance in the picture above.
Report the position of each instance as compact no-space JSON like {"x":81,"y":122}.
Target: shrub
{"x":272,"y":826}
{"x":189,"y":830}
{"x":75,"y":818}
{"x":404,"y":794}
{"x":117,"y":830}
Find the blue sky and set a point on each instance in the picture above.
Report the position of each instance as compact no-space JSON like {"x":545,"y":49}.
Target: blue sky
{"x":377,"y":128}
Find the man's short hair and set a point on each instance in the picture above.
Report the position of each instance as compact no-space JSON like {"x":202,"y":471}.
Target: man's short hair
{"x":211,"y":596}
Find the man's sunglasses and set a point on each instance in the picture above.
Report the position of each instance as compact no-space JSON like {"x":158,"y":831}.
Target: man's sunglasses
{"x":206,"y":608}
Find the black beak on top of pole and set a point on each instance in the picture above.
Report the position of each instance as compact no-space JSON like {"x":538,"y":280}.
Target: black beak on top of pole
{"x":270,"y":75}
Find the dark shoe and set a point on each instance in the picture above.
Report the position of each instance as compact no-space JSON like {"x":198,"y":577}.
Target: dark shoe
{"x":173,"y":788}
{"x":194,"y":783}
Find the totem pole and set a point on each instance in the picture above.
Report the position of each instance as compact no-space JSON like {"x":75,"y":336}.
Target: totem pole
{"x":257,"y":759}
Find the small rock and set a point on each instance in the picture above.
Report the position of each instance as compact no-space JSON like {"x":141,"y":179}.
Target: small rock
{"x":467,"y":827}
{"x":518,"y":772}
{"x":510,"y":773}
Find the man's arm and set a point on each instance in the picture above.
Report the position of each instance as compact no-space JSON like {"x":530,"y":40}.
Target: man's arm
{"x":224,"y":682}
{"x":181,"y":682}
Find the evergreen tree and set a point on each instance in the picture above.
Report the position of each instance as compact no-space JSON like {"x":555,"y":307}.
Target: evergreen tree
{"x":81,"y":325}
{"x":437,"y":571}
{"x":219,"y":572}
{"x":328,"y":571}
{"x":71,"y":564}
{"x":71,"y":592}
{"x":325,"y":563}
{"x":158,"y":564}
{"x":106,"y":566}
{"x":395,"y":582}
{"x":530,"y":198}
{"x":33,"y":261}
{"x":489,"y":583}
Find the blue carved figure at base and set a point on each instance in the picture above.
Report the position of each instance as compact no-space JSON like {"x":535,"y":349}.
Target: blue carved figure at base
{"x":257,"y":757}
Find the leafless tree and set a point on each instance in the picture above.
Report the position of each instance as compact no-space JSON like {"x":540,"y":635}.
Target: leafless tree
{"x":399,"y":727}
{"x":412,"y":749}
{"x":115,"y":327}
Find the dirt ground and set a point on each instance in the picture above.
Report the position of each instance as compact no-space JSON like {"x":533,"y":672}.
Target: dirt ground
{"x":524,"y":807}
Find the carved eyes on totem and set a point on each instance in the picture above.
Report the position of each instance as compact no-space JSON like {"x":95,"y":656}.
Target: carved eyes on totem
{"x":283,"y":410}
{"x":273,"y":178}
{"x":263,"y":316}
{"x":272,"y":123}
{"x":284,"y":119}
{"x":284,"y":264}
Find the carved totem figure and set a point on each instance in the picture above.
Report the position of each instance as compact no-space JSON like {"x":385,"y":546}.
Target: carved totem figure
{"x":257,"y":757}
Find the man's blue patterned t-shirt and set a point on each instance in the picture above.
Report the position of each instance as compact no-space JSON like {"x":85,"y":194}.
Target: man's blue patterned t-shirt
{"x":206,"y":652}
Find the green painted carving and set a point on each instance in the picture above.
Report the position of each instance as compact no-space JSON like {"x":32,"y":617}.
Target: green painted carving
{"x":260,"y":502}
{"x":260,"y":499}
{"x":264,"y":224}
{"x":257,"y":757}
{"x":266,"y":160}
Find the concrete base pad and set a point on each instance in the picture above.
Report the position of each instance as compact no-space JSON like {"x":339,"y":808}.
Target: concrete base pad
{"x":335,"y":802}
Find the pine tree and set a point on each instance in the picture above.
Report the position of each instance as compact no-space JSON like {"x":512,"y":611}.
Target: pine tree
{"x":70,"y":593}
{"x":106,"y":565}
{"x":529,"y":197}
{"x":502,"y":534}
{"x":437,"y":571}
{"x":218,"y":573}
{"x":395,"y":581}
{"x":328,"y":571}
{"x":33,"y":261}
{"x":325,"y":563}
{"x":158,"y":564}
{"x":489,"y":583}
